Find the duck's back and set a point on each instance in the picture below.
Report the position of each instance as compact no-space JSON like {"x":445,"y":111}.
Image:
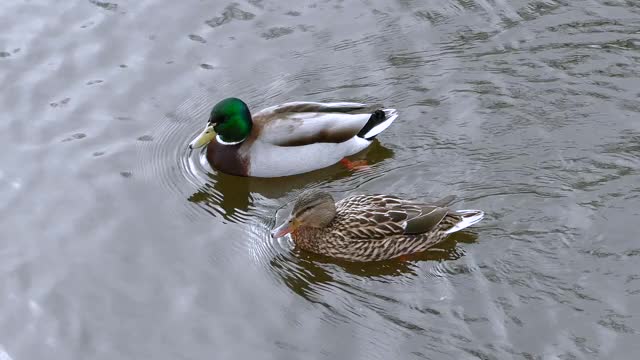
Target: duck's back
{"x":375,"y":227}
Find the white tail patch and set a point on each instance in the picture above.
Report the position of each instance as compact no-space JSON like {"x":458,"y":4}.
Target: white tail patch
{"x":469,"y":217}
{"x":390,"y":114}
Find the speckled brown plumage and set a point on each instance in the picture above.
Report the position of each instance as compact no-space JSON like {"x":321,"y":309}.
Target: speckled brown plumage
{"x":377,"y":227}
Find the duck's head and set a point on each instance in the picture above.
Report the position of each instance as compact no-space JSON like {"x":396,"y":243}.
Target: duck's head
{"x":313,"y":209}
{"x":230,"y":121}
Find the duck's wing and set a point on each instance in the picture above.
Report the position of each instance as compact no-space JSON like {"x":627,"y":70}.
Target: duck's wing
{"x":368,"y":217}
{"x":314,"y":107}
{"x":304,"y":123}
{"x":427,"y":220}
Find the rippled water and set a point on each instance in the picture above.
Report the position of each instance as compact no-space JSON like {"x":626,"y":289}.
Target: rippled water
{"x":118,"y":243}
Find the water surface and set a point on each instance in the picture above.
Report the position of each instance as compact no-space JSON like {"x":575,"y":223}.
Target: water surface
{"x":119,"y":243}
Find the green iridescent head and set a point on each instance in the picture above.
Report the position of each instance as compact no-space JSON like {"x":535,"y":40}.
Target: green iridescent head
{"x":230,"y":120}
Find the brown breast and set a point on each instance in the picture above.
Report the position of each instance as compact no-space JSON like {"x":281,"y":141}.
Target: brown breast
{"x":227,"y":158}
{"x":307,"y":239}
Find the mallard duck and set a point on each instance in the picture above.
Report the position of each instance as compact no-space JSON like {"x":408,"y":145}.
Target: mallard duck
{"x":288,"y":139}
{"x":371,"y":227}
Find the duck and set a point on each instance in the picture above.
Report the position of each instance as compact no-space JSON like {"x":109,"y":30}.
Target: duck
{"x":364,"y":228}
{"x":288,"y":139}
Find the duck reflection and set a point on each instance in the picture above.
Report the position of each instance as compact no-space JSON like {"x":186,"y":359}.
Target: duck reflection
{"x":230,"y":196}
{"x":305,"y":272}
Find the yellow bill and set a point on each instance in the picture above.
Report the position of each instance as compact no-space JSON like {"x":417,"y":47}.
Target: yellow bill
{"x":204,"y":138}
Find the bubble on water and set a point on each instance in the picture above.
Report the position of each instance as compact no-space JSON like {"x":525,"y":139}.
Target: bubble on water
{"x":3,"y":354}
{"x":35,"y":308}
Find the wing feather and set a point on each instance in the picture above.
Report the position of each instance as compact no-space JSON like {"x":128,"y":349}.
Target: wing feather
{"x":313,"y":107}
{"x":377,"y":217}
{"x":304,"y":123}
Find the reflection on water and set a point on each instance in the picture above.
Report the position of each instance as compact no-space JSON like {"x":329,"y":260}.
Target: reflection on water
{"x":303,"y":272}
{"x":230,"y":193}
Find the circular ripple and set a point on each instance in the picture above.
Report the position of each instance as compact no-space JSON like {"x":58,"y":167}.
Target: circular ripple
{"x":260,"y":204}
{"x":166,"y":159}
{"x":346,"y":292}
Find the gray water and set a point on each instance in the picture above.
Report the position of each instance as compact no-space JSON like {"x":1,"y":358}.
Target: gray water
{"x":117,"y":243}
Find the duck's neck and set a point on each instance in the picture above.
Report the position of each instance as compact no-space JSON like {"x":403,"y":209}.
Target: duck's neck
{"x":222,"y":141}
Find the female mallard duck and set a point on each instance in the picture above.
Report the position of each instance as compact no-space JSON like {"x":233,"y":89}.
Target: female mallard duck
{"x":371,"y":227}
{"x":288,"y":139}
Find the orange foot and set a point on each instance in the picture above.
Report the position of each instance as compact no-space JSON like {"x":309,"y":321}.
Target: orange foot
{"x":355,"y":165}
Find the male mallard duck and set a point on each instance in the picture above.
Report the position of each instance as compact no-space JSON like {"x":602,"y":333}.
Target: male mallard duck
{"x":288,"y":139}
{"x":371,"y":227}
